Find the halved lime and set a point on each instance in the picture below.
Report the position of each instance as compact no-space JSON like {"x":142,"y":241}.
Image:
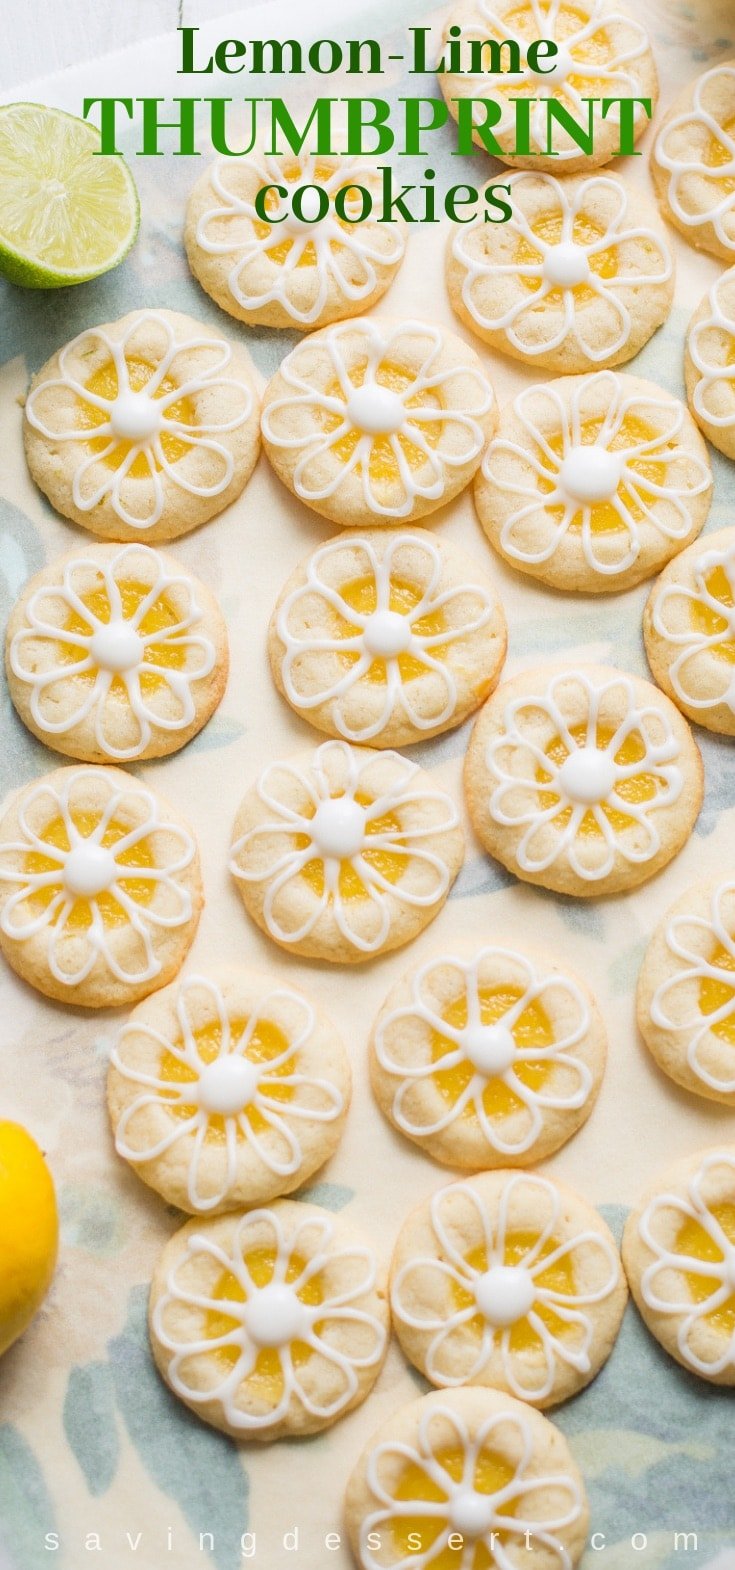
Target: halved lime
{"x":67,"y":213}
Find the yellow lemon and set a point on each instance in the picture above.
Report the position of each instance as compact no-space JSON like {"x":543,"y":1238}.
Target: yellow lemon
{"x":29,"y":1231}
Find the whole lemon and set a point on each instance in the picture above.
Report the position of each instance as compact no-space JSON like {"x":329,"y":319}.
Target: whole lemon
{"x":29,"y":1231}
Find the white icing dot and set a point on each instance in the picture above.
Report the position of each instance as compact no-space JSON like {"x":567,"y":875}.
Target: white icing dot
{"x":135,"y":417}
{"x":274,"y":1316}
{"x":376,"y":409}
{"x":587,"y":776}
{"x":566,"y":265}
{"x":386,"y":634}
{"x":590,"y":474}
{"x":470,"y":1513}
{"x":309,"y":203}
{"x":116,"y":647}
{"x":557,"y":70}
{"x":338,"y":828}
{"x":227,"y":1085}
{"x":490,"y":1047}
{"x":504,"y":1294}
{"x":88,"y":870}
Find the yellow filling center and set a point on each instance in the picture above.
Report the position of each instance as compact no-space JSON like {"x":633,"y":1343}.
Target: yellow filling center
{"x":280,"y":251}
{"x":383,"y":466}
{"x":266,"y":1043}
{"x":639,"y":788}
{"x":80,"y":916}
{"x":585,"y":232}
{"x":104,"y":383}
{"x":692,"y":1239}
{"x":492,"y":1472}
{"x":390,"y":864}
{"x":604,"y":519}
{"x":159,"y":617}
{"x":706,"y":620}
{"x":716,"y":155}
{"x":532,"y":1029}
{"x":361,"y":595}
{"x":559,"y":1277}
{"x":266,"y":1379}
{"x":713,"y":994}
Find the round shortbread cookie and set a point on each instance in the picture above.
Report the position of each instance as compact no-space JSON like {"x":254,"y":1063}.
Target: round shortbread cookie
{"x":679,"y":1255}
{"x":580,"y":275}
{"x":388,"y":638}
{"x":346,"y":852}
{"x":371,"y":422}
{"x":114,"y":653}
{"x":490,"y":1061}
{"x":269,"y":1324}
{"x":291,"y":271}
{"x":143,"y":427}
{"x":507,"y":1280}
{"x":584,"y":780}
{"x":686,"y":991}
{"x":593,"y":482}
{"x":693,"y":162}
{"x":709,"y":364}
{"x":450,"y":1477}
{"x":602,"y":52}
{"x":689,"y":631}
{"x":226,"y":1090}
{"x":100,"y":887}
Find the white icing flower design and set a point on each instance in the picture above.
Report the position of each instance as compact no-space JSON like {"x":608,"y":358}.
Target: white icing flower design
{"x":615,"y":773}
{"x":495,"y":1284}
{"x":708,"y":158}
{"x":255,"y":1095}
{"x":140,"y":427}
{"x":662,"y":1286}
{"x":564,"y":266}
{"x":570,"y":478}
{"x":330,"y":251}
{"x":144,"y":645}
{"x":485,"y":1052}
{"x":701,"y":623}
{"x":587,"y":65}
{"x":713,"y":359}
{"x":356,"y":812}
{"x":297,"y":1302}
{"x":361,"y":638}
{"x":499,"y":1525}
{"x":83,"y":880}
{"x":676,"y":1003}
{"x":355,"y":413}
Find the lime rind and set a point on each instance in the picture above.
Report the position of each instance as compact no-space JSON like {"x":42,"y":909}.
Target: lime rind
{"x":67,"y":214}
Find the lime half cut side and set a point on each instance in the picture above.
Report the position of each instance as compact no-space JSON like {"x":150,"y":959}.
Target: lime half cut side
{"x":67,"y":213}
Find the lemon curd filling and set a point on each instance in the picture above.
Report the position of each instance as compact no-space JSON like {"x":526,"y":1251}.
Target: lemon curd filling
{"x":104,"y":384}
{"x":361,"y":595}
{"x":717,"y":155}
{"x":585,"y":232}
{"x":713,"y":994}
{"x":266,"y":1043}
{"x":266,"y":1380}
{"x":382,"y":462}
{"x":638,"y":788}
{"x":568,"y":24}
{"x":693,"y":1240}
{"x":533,"y":1028}
{"x":559,"y":1277}
{"x":706,"y":620}
{"x":389,"y":864}
{"x":604,"y":517}
{"x":279,"y":252}
{"x":492,"y":1473}
{"x":55,"y":835}
{"x":160,"y":617}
